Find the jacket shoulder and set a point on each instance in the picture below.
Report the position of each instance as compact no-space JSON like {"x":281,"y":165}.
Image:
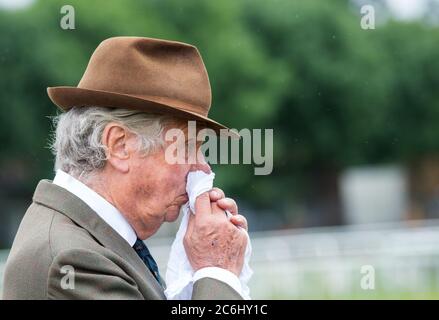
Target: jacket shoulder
{"x":43,"y":234}
{"x":30,"y":256}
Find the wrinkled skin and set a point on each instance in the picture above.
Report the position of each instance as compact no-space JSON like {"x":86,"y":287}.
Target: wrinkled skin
{"x":148,"y":191}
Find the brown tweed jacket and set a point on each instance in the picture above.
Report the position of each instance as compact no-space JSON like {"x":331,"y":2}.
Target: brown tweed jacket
{"x":60,"y":234}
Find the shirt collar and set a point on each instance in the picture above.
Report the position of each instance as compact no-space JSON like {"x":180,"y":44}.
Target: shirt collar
{"x":97,"y":203}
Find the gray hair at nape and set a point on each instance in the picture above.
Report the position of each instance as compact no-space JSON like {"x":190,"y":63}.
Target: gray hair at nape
{"x":76,"y":141}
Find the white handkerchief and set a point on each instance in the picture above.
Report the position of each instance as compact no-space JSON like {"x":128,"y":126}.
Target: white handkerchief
{"x":179,"y":275}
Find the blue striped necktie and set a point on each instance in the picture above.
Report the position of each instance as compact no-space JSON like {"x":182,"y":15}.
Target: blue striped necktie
{"x":144,"y":254}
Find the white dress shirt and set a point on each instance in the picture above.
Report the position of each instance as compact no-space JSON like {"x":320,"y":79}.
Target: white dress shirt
{"x":117,"y":221}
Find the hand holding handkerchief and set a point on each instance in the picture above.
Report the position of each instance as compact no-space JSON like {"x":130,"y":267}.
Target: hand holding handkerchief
{"x":179,"y":275}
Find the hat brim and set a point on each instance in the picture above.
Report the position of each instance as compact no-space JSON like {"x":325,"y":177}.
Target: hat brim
{"x":66,"y":98}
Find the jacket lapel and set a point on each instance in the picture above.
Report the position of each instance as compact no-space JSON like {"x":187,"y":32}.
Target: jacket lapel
{"x":63,"y":201}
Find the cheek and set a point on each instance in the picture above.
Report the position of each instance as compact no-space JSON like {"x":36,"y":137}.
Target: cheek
{"x":176,"y":176}
{"x":167,"y":185}
{"x":162,"y":181}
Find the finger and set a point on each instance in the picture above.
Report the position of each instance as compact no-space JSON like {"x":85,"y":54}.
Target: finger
{"x":219,"y":211}
{"x":190,"y":223}
{"x":216,"y":194}
{"x":189,"y":231}
{"x":239,"y":221}
{"x":202,"y":205}
{"x":229,"y":205}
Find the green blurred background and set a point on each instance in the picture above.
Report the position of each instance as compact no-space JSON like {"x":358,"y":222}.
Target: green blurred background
{"x":343,"y":103}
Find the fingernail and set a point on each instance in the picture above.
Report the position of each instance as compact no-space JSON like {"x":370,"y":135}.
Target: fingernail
{"x":214,"y":194}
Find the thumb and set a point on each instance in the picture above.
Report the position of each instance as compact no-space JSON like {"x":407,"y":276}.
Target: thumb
{"x":190,"y":222}
{"x":202,"y":205}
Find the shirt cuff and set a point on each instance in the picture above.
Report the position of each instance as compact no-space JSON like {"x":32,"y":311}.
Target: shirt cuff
{"x":220,"y":274}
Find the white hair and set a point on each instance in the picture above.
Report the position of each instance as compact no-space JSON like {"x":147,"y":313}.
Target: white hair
{"x":77,"y":140}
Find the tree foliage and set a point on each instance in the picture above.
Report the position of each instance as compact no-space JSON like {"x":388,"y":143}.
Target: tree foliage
{"x":335,"y":95}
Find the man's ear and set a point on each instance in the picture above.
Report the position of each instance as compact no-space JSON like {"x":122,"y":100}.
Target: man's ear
{"x":115,"y":138}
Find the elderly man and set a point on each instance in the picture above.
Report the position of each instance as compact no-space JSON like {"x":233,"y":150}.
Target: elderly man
{"x":81,"y":238}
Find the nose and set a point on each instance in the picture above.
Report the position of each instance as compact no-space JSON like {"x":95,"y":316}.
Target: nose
{"x":201,"y":165}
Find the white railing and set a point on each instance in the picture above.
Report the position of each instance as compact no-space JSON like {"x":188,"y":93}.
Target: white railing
{"x":327,"y":262}
{"x":3,"y":256}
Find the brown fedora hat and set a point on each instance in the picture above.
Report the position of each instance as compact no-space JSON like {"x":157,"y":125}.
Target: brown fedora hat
{"x":146,"y":74}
